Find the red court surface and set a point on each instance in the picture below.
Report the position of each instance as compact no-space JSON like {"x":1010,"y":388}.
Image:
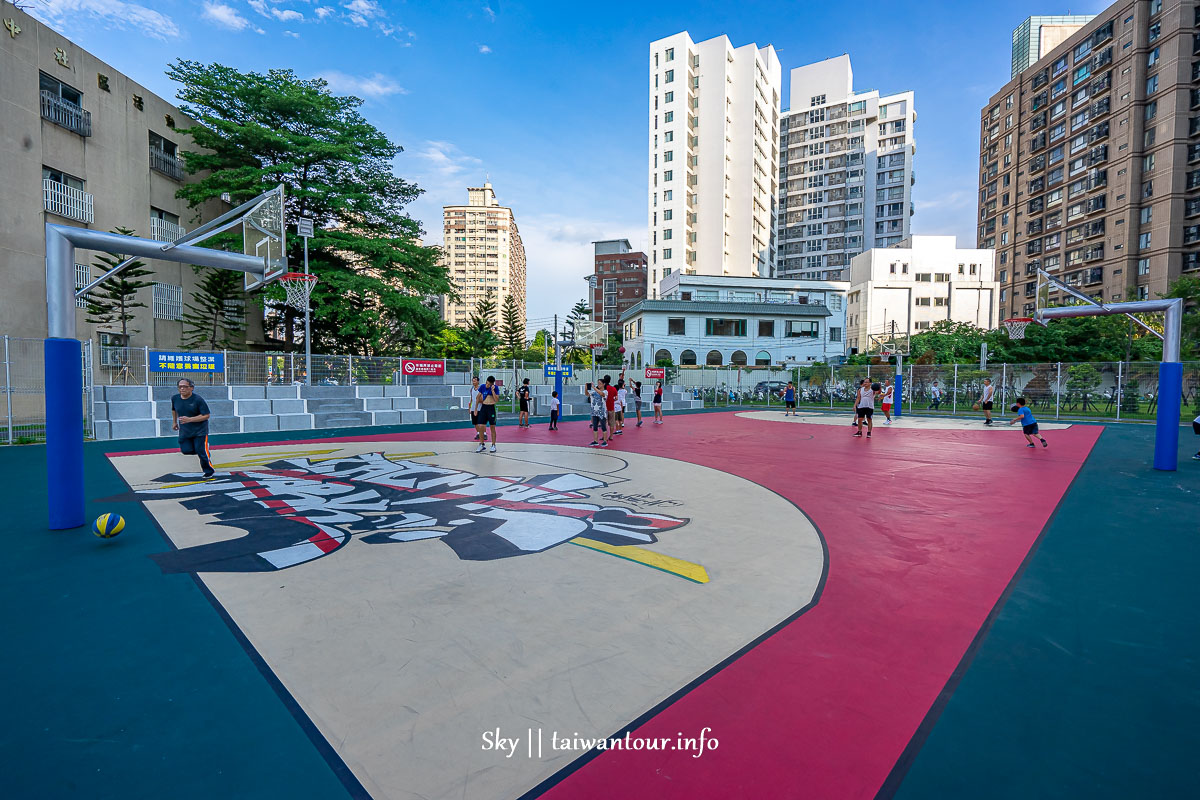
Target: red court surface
{"x":925,"y":528}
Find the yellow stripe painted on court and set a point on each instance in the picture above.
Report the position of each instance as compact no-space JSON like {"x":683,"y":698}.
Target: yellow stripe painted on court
{"x":676,"y":566}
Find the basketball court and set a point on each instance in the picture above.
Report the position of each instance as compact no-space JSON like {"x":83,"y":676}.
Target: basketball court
{"x":735,"y":605}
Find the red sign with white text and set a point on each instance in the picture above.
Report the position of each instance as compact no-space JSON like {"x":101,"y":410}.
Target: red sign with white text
{"x":412,"y":366}
{"x":659,"y":373}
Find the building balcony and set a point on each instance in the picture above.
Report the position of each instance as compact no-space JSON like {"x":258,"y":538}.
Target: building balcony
{"x":162,"y":230}
{"x":66,"y":115}
{"x":167,"y":164}
{"x":66,"y":201}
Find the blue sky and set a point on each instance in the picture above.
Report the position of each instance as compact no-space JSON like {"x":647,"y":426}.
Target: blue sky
{"x":549,"y":99}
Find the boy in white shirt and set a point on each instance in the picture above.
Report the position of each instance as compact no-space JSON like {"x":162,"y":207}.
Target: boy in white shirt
{"x":985,"y":400}
{"x":888,"y":395}
{"x":476,"y":401}
{"x":554,"y":411}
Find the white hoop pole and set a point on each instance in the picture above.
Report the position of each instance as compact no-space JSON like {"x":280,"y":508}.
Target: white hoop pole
{"x":307,"y":332}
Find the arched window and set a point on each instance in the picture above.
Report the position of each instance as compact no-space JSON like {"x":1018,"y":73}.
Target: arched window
{"x":687,"y":358}
{"x":664,"y":355}
{"x":763,"y":359}
{"x":714,"y":358}
{"x":738,"y":358}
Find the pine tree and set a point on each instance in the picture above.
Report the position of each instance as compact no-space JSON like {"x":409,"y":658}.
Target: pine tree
{"x":216,"y":318}
{"x":481,"y":338}
{"x":512,"y":328}
{"x":112,"y":302}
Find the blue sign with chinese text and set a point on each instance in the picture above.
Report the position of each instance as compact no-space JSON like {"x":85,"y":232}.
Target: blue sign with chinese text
{"x":186,"y":362}
{"x":565,"y":371}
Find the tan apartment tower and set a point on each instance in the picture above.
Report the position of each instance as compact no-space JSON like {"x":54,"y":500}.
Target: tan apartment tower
{"x":1090,"y":160}
{"x":484,"y":254}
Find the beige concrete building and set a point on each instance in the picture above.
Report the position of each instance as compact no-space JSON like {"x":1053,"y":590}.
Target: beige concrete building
{"x":1090,"y":160}
{"x":483,"y":251}
{"x":81,"y":144}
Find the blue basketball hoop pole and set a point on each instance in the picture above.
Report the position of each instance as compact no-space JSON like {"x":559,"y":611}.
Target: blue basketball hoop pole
{"x":1170,"y":371}
{"x":63,"y":354}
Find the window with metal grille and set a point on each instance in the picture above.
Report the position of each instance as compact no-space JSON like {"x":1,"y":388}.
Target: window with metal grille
{"x":83,"y":276}
{"x":168,"y":301}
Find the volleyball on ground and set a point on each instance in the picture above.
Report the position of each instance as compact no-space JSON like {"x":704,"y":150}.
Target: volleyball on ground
{"x":107,"y":526}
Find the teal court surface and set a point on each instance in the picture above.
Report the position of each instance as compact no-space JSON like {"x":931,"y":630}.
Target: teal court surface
{"x":724,"y":606}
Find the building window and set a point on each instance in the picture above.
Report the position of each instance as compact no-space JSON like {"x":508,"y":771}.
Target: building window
{"x":666,"y":253}
{"x":802,"y":328}
{"x":724,"y":327}
{"x":1143,"y":241}
{"x":667,"y":234}
{"x":1151,"y":85}
{"x":669,"y":76}
{"x":1143,"y":266}
{"x":923,"y":301}
{"x":670,"y":54}
{"x":766,"y":327}
{"x":83,"y":276}
{"x":668,"y":174}
{"x":676,"y":326}
{"x":168,"y":301}
{"x":668,"y":97}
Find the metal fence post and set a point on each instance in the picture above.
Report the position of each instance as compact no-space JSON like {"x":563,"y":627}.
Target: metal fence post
{"x":89,"y":386}
{"x":225,"y":365}
{"x":292,"y":366}
{"x":350,"y":371}
{"x":8,"y":389}
{"x":1004,"y":386}
{"x":1058,"y":391}
{"x":146,"y":362}
{"x":1120,"y":364}
{"x":911,"y":387}
{"x":954,"y":401}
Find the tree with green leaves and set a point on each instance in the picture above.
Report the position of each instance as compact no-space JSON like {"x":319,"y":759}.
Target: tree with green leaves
{"x":112,"y":303}
{"x":216,"y":317}
{"x":481,"y":337}
{"x":257,"y":130}
{"x":512,"y":327}
{"x":1188,"y":288}
{"x":449,"y":343}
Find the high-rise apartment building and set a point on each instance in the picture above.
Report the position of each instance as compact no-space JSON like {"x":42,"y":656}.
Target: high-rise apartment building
{"x":618,"y":281}
{"x":1090,"y":160}
{"x":82,"y":144}
{"x":483,"y":252}
{"x":713,"y":155}
{"x":1037,"y":36}
{"x":845,"y":172}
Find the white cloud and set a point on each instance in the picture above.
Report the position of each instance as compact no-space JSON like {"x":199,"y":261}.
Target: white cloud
{"x":109,"y":13}
{"x":483,"y":48}
{"x":369,"y":86}
{"x":292,"y":34}
{"x":228,"y":17}
{"x":491,"y":15}
{"x":322,"y":11}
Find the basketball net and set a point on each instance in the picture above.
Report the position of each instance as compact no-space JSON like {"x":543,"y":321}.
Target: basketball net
{"x":1016,"y":326}
{"x":298,"y":287}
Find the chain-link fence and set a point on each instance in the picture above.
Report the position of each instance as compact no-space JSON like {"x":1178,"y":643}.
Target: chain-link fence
{"x":1103,"y":391}
{"x":23,"y":391}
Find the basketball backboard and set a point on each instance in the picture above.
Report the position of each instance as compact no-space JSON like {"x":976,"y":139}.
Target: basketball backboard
{"x":264,"y":235}
{"x":887,"y":344}
{"x":589,"y":333}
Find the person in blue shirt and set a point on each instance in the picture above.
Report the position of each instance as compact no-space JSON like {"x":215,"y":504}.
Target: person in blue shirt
{"x":789,"y":399}
{"x":489,"y":393}
{"x":1028,"y":423}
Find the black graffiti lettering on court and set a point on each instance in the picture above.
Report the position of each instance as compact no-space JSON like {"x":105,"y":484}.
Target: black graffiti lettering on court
{"x":297,"y":510}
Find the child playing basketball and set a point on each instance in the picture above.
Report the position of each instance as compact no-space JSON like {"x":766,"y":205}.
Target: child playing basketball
{"x":888,"y":397}
{"x":864,"y":406}
{"x":1028,"y":423}
{"x":554,"y":411}
{"x":789,"y":399}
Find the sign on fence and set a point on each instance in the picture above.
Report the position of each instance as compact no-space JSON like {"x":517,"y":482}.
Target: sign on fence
{"x":186,"y":362}
{"x":656,"y":373}
{"x":414,"y":366}
{"x":566,"y":370}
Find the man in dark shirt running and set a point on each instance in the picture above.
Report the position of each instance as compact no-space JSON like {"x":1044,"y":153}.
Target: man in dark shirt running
{"x":189,"y":416}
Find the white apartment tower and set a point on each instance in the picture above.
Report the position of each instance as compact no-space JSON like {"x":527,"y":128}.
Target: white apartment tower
{"x":483,"y":251}
{"x":713,"y":156}
{"x":845,"y":172}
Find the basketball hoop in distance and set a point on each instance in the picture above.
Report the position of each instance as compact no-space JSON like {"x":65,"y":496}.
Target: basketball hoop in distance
{"x":1016,"y":326}
{"x":298,"y":287}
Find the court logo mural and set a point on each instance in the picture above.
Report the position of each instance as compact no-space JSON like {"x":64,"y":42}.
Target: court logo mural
{"x":297,"y":510}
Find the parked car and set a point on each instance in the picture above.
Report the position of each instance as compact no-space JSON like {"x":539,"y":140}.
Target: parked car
{"x":762,"y":388}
